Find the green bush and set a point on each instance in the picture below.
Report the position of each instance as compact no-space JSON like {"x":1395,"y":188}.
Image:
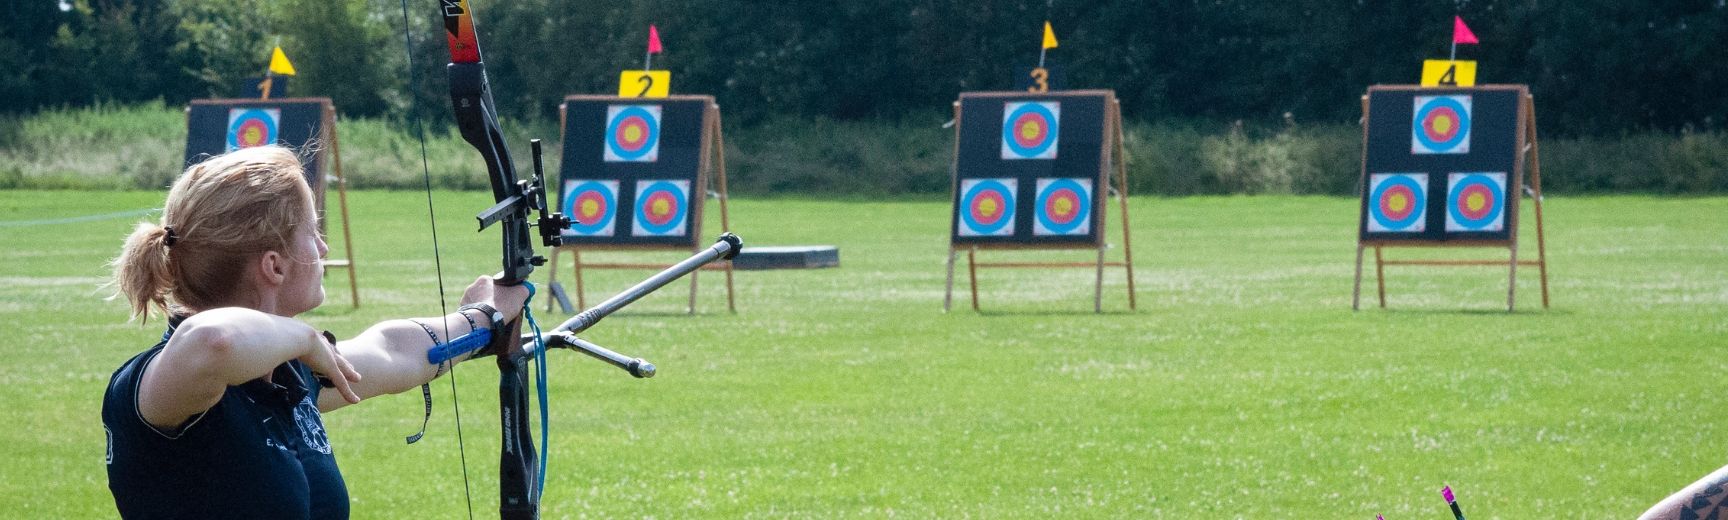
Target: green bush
{"x":140,"y":147}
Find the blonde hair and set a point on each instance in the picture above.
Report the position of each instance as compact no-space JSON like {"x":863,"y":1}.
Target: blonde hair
{"x":223,"y":211}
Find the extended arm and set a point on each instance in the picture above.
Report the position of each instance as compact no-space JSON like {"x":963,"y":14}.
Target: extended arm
{"x":392,"y":355}
{"x":218,"y":348}
{"x":1706,"y":498}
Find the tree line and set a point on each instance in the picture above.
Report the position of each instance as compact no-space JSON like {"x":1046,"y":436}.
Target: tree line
{"x":1597,"y":67}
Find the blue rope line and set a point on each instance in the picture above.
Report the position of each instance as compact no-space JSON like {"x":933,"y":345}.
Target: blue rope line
{"x":540,"y":384}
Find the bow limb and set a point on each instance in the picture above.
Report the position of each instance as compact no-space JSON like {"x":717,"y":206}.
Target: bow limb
{"x":476,"y":118}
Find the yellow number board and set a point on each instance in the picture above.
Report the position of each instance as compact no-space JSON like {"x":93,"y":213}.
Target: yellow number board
{"x":644,"y":83}
{"x":1447,"y":73}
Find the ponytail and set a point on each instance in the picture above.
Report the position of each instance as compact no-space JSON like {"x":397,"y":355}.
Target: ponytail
{"x":220,"y":214}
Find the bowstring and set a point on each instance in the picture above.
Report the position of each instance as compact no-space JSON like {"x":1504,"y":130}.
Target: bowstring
{"x":437,"y":260}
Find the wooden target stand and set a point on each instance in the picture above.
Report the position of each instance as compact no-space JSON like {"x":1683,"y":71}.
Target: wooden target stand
{"x":711,"y":180}
{"x":1527,"y":149}
{"x":327,"y":159}
{"x":1115,"y":158}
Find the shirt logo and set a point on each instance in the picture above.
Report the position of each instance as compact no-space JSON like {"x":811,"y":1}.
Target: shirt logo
{"x":311,"y":427}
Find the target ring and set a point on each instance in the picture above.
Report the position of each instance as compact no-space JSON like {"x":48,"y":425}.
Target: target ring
{"x":1030,"y":130}
{"x":1398,"y":203}
{"x":633,"y":133}
{"x":1064,"y":205}
{"x":251,"y":127}
{"x":660,"y":208}
{"x":591,"y":206}
{"x":1442,"y":125}
{"x":988,"y":207}
{"x":1476,"y":202}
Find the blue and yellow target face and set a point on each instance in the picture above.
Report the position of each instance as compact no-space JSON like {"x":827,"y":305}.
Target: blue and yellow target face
{"x":1476,"y":201}
{"x":1397,"y":202}
{"x":661,"y":207}
{"x":592,"y":207}
{"x":986,"y":207}
{"x":249,"y":127}
{"x":1030,"y":130}
{"x":632,"y":133}
{"x":1441,"y":125}
{"x":1063,"y":207}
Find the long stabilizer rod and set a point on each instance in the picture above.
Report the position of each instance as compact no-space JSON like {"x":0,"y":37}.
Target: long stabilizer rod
{"x":564,"y":335}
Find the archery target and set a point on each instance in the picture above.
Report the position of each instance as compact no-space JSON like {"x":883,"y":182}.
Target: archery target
{"x":249,"y":127}
{"x":1030,"y":130}
{"x":1397,"y":202}
{"x":661,"y":207}
{"x":632,"y":133}
{"x":1476,"y":201}
{"x":1441,"y":125}
{"x":592,"y":207}
{"x":1063,"y":207}
{"x":987,"y":207}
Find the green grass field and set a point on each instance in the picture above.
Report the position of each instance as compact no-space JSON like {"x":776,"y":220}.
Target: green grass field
{"x":1243,"y":387}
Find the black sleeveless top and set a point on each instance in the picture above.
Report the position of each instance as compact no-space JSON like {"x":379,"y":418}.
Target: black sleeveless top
{"x":260,"y":452}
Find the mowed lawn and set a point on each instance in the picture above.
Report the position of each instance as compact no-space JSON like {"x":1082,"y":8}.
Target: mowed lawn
{"x":1243,"y":386}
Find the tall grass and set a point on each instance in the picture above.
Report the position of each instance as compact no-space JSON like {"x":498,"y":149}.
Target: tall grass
{"x":101,"y":147}
{"x":140,"y":147}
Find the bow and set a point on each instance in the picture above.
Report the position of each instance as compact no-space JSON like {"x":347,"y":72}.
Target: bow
{"x":520,"y":472}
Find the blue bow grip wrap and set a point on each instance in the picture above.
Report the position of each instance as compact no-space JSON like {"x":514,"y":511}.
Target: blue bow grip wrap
{"x":474,"y":340}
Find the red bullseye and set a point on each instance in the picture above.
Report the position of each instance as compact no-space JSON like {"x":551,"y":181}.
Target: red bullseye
{"x":1397,"y":202}
{"x":1476,"y":201}
{"x":1441,"y":124}
{"x":661,"y":207}
{"x":988,"y":207}
{"x":1030,"y":129}
{"x":253,"y":132}
{"x":590,"y":207}
{"x":632,"y":133}
{"x":1062,"y":206}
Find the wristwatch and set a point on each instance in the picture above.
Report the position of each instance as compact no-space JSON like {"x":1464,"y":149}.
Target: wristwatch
{"x":490,"y":312}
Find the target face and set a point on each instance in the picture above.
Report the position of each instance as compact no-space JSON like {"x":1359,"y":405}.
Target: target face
{"x":1441,"y":125}
{"x":1063,"y":207}
{"x":1397,"y":202}
{"x":249,"y":127}
{"x":1476,"y":202}
{"x":1030,"y":130}
{"x":987,"y":207}
{"x":661,"y":207}
{"x":592,"y":207}
{"x":632,"y":133}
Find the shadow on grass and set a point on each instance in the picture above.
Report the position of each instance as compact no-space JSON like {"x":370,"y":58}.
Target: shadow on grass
{"x":1473,"y":312}
{"x":994,"y":313}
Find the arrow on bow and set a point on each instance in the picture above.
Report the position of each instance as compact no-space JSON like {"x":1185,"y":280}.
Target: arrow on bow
{"x":521,"y":470}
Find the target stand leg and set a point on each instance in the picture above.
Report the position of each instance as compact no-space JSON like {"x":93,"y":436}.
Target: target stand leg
{"x":972,"y":270}
{"x":1356,"y":291}
{"x":1098,"y":285}
{"x":948,"y":295}
{"x":1380,"y":275}
{"x":552,"y":277}
{"x":576,"y":264}
{"x":1512,"y":277}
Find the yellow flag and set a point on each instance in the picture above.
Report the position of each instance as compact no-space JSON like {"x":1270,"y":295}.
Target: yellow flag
{"x":279,"y":63}
{"x":1049,"y":36}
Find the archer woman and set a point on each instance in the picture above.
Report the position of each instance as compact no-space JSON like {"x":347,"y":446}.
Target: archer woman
{"x":221,"y":418}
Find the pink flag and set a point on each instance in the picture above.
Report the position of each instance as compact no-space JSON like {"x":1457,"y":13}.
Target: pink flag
{"x":1460,"y":32}
{"x":654,"y":39}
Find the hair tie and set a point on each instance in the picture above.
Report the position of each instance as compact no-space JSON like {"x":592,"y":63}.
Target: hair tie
{"x":168,"y":237}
